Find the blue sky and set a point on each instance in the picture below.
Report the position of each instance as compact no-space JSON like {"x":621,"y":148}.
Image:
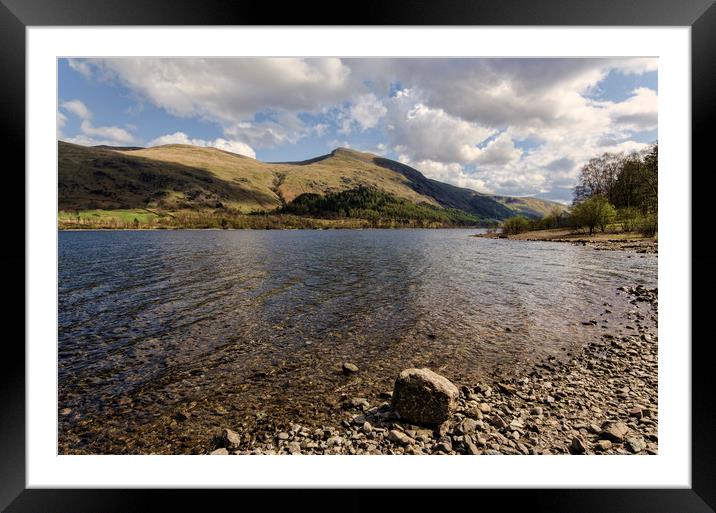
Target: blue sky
{"x":506,"y":126}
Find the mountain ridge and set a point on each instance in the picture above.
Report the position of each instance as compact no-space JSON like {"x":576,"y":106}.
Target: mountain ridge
{"x":177,"y":176}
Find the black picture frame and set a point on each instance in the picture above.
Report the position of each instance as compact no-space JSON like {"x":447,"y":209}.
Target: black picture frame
{"x":17,"y":15}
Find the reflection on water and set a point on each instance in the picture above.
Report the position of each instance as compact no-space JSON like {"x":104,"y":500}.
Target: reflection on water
{"x":263,"y":318}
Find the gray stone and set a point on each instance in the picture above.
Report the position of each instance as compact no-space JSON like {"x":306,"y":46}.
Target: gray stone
{"x":283,"y":435}
{"x":470,"y":447}
{"x":468,"y":426}
{"x":506,"y":388}
{"x":498,"y":422}
{"x":334,"y":440}
{"x":443,"y":428}
{"x":635,"y":444}
{"x":577,"y":446}
{"x":360,"y":402}
{"x":424,"y":397}
{"x":636,"y":412}
{"x":444,"y":445}
{"x":615,"y":431}
{"x":221,"y":451}
{"x":603,"y":445}
{"x":399,"y":437}
{"x":349,"y":368}
{"x":230,"y":438}
{"x":182,"y":415}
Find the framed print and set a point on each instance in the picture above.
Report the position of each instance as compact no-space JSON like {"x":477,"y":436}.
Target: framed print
{"x":358,"y":256}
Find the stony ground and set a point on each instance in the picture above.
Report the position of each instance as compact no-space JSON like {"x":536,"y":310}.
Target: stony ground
{"x":632,"y":242}
{"x":635,"y":245}
{"x":601,"y":401}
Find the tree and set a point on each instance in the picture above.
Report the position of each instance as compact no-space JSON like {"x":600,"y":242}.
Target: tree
{"x":515,"y":224}
{"x":592,"y":212}
{"x":650,"y":181}
{"x":626,"y":188}
{"x":629,"y":218}
{"x":625,"y":180}
{"x":598,"y":176}
{"x":628,"y":182}
{"x":607,"y":214}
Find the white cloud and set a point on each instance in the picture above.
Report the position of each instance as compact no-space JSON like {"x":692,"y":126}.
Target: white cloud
{"x":365,"y":111}
{"x":464,"y":120}
{"x":111,"y":133}
{"x":320,"y":129}
{"x":638,"y":112}
{"x":78,"y":108}
{"x":61,"y":122}
{"x":499,"y":152}
{"x":425,"y":133}
{"x":81,"y":66}
{"x":91,"y":135}
{"x":499,"y":92}
{"x":220,"y":143}
{"x":231,"y":91}
{"x":635,"y":65}
{"x":288,"y":129}
{"x":453,"y":173}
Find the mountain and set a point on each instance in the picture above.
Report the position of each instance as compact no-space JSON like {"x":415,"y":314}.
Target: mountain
{"x":182,"y":177}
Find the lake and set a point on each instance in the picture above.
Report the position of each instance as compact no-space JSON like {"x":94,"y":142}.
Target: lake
{"x":243,"y":327}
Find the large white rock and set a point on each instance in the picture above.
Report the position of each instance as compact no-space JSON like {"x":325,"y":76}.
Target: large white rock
{"x":421,"y":396}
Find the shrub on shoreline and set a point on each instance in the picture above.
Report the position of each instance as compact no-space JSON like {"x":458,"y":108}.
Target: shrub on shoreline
{"x":516,"y":224}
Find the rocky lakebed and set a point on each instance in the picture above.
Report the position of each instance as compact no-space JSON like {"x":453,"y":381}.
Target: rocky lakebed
{"x":601,"y":400}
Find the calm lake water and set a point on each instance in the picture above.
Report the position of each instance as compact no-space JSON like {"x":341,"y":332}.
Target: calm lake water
{"x":257,"y":323}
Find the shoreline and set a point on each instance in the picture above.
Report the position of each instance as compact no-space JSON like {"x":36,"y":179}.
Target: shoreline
{"x":312,"y":228}
{"x":603,"y":399}
{"x":599,"y":241}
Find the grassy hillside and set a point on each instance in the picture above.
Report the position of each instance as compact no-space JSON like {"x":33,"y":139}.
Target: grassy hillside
{"x":530,"y":207}
{"x":175,"y":178}
{"x":168,"y":177}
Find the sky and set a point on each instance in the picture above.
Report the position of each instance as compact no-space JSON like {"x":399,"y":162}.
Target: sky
{"x":519,"y":127}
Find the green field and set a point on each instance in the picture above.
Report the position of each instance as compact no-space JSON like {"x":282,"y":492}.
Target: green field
{"x":142,"y":215}
{"x":122,"y":218}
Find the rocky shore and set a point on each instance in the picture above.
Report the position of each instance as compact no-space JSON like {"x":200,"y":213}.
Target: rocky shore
{"x":599,"y":241}
{"x":634,"y":245}
{"x":600,"y":401}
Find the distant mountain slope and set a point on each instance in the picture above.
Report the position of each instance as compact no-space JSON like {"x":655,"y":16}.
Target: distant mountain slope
{"x":178,"y":177}
{"x":92,"y":178}
{"x":530,"y":207}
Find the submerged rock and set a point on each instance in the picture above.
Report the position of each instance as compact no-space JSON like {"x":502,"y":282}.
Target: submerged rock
{"x":423,"y":397}
{"x":349,"y":368}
